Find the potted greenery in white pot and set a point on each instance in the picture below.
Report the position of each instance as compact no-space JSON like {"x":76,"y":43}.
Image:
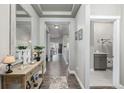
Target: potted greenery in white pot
{"x":20,"y":53}
{"x":22,"y":47}
{"x":38,"y":50}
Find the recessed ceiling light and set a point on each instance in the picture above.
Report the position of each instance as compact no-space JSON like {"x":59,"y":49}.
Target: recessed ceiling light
{"x":56,"y":26}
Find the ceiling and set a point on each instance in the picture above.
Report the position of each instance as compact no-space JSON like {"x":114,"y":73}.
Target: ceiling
{"x":56,"y":10}
{"x":57,"y":7}
{"x":60,"y":32}
{"x":20,"y":12}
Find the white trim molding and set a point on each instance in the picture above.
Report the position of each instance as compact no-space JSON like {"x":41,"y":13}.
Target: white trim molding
{"x":93,"y":17}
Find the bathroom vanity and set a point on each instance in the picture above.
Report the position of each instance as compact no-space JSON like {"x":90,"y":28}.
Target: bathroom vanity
{"x":100,"y":61}
{"x":28,"y":76}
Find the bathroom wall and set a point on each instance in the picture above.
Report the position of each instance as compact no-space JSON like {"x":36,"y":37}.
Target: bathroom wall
{"x":103,"y":31}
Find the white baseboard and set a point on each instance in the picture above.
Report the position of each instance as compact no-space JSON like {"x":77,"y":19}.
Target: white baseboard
{"x":120,"y":87}
{"x":44,"y":71}
{"x":71,"y":71}
{"x":79,"y":81}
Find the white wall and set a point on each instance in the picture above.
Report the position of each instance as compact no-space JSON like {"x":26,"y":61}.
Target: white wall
{"x":4,"y":33}
{"x":4,"y":27}
{"x":105,"y":9}
{"x":82,"y":46}
{"x":122,"y":48}
{"x":103,"y":31}
{"x":13,"y":29}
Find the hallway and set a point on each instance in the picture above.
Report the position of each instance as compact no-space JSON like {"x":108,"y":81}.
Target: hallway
{"x":57,"y":69}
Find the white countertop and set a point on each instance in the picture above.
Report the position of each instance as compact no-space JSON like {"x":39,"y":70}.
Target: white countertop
{"x":100,"y":53}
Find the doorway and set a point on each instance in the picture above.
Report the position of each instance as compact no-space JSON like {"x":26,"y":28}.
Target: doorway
{"x":57,"y":39}
{"x":104,"y":51}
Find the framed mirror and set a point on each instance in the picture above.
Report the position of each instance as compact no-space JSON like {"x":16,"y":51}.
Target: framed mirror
{"x":23,"y":35}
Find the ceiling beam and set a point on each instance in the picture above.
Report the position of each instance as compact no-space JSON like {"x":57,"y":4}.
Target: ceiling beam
{"x":75,"y":9}
{"x":37,"y":9}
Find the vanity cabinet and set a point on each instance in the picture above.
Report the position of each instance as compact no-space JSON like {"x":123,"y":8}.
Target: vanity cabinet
{"x":100,"y":61}
{"x":29,"y":76}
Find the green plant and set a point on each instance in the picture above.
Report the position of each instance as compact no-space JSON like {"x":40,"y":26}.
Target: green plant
{"x":21,"y":47}
{"x":38,"y":48}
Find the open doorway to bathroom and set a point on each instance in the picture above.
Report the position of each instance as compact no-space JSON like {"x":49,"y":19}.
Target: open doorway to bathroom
{"x":101,"y":65}
{"x":104,"y":52}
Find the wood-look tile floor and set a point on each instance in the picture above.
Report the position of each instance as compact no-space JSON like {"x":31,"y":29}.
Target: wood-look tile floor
{"x":57,"y":67}
{"x":101,"y":78}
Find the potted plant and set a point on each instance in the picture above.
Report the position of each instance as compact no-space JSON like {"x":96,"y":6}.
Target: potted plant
{"x":21,"y":47}
{"x":38,"y":50}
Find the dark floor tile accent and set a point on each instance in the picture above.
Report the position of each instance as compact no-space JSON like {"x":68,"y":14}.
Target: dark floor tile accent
{"x":72,"y":82}
{"x":102,"y":87}
{"x":46,"y":82}
{"x":57,"y":67}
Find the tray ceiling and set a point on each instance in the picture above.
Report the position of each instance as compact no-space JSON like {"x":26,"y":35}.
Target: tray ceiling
{"x":56,"y":10}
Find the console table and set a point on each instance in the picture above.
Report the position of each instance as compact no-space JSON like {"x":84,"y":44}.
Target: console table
{"x":28,"y":76}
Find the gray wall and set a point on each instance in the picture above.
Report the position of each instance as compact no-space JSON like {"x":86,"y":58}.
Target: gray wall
{"x":103,"y":31}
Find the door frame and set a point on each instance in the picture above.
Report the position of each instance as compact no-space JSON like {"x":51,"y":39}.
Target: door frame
{"x":116,"y":47}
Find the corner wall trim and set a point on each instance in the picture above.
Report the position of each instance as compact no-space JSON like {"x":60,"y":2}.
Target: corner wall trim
{"x":44,"y":71}
{"x":79,"y":81}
